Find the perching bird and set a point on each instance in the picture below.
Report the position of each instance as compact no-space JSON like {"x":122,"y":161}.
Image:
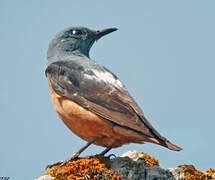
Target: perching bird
{"x":90,"y":99}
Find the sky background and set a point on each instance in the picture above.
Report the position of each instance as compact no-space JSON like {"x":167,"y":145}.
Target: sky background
{"x":164,"y":52}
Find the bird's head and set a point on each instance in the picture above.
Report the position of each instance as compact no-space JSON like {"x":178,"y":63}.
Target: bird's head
{"x":77,"y":40}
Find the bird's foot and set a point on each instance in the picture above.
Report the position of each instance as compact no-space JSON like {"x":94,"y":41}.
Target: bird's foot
{"x":76,"y":155}
{"x":62,"y":163}
{"x":101,"y":155}
{"x":110,"y":155}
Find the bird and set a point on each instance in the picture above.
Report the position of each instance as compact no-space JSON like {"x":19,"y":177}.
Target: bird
{"x":91,"y":100}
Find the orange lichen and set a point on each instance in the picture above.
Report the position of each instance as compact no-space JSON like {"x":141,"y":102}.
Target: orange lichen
{"x":210,"y":172}
{"x":150,"y":161}
{"x":191,"y":173}
{"x":86,"y":168}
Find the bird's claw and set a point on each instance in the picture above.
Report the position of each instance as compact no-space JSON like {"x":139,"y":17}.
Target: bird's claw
{"x":110,"y":155}
{"x":55,"y":164}
{"x":62,"y":163}
{"x":101,"y":155}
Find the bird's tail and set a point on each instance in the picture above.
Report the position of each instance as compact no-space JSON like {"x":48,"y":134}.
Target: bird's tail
{"x":172,"y":146}
{"x":166,"y":144}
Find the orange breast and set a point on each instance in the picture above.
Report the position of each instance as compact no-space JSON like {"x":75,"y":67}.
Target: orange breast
{"x":88,"y":125}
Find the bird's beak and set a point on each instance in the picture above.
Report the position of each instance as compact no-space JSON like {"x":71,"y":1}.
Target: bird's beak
{"x":103,"y":32}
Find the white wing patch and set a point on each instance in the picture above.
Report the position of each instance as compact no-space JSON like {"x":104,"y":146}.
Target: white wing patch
{"x":108,"y":77}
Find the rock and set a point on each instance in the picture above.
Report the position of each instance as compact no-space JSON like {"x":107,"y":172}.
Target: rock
{"x":131,"y":154}
{"x":135,"y":170}
{"x":45,"y":177}
{"x":178,"y":173}
{"x":134,"y":155}
{"x":131,"y":165}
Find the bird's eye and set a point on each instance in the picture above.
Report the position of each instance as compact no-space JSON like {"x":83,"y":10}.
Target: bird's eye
{"x":76,"y":32}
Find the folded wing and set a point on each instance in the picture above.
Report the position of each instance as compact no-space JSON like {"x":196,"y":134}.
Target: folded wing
{"x":98,"y":90}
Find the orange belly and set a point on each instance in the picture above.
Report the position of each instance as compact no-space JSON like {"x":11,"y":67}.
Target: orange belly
{"x":88,"y":125}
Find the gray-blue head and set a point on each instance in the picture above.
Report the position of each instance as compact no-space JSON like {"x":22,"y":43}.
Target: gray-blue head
{"x":75,"y":40}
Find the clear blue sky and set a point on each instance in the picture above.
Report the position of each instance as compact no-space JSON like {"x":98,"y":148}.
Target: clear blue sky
{"x":164,"y":52}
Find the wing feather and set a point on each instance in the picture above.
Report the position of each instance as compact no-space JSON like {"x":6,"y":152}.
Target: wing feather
{"x":98,"y":90}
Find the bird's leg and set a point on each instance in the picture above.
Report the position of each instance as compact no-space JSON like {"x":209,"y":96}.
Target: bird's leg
{"x":102,"y":153}
{"x":74,"y":156}
{"x":105,"y":151}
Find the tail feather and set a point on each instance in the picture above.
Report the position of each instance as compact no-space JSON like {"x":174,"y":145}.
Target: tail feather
{"x":166,"y":144}
{"x":172,"y":146}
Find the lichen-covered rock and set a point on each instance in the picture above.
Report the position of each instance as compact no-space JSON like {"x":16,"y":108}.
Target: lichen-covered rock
{"x":211,"y":173}
{"x":136,"y":170}
{"x":84,"y":168}
{"x":46,"y":177}
{"x":191,"y":173}
{"x":178,"y":173}
{"x":134,"y":155}
{"x":131,"y":165}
